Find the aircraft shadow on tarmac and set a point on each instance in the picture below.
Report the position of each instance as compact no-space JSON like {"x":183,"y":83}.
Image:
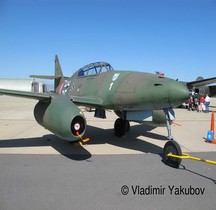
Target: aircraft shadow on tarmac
{"x":63,"y":147}
{"x":97,"y":136}
{"x":130,"y":141}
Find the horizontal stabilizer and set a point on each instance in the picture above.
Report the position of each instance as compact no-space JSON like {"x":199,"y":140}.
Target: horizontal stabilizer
{"x":47,"y":77}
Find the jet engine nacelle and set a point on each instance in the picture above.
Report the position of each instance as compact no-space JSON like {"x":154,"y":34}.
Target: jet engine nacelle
{"x":60,"y":116}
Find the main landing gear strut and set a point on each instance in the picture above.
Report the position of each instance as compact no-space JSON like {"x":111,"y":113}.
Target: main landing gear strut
{"x":171,"y":146}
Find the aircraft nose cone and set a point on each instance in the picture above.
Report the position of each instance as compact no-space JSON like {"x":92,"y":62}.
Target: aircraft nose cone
{"x":178,"y":93}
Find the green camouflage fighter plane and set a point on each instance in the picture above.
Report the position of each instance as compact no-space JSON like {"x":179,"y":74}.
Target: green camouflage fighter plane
{"x":134,"y":96}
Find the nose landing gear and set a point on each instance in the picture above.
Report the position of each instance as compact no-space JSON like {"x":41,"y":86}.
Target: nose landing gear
{"x":173,"y":148}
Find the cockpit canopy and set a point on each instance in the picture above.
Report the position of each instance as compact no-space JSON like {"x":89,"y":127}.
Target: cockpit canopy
{"x":94,"y":69}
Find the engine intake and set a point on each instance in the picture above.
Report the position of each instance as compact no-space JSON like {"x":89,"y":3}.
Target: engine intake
{"x":77,"y":125}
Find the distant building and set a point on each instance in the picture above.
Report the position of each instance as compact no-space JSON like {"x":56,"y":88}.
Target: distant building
{"x":42,"y":87}
{"x":29,"y":85}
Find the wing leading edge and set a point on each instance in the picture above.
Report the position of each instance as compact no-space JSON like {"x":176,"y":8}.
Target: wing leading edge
{"x":25,"y":94}
{"x":79,"y":100}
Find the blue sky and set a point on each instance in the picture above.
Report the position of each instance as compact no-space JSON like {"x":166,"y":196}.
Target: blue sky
{"x":177,"y":37}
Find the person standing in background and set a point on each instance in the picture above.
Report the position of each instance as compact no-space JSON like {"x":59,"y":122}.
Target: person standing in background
{"x":202,"y":106}
{"x":190,"y":102}
{"x":207,"y":103}
{"x":196,"y":104}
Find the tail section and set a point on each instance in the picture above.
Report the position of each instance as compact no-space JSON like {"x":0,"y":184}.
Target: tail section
{"x":58,"y":77}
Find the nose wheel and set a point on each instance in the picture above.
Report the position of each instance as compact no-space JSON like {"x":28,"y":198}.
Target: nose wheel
{"x":173,"y":148}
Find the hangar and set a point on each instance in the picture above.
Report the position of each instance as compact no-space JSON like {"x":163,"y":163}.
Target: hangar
{"x":23,"y":84}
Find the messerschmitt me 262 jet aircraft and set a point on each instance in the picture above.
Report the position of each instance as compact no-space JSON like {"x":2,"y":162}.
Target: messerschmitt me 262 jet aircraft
{"x":134,"y":96}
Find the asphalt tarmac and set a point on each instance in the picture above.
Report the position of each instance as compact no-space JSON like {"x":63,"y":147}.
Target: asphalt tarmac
{"x":40,"y":171}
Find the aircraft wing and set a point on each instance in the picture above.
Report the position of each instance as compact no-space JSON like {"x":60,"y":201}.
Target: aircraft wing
{"x":88,"y":100}
{"x":25,"y":94}
{"x":81,"y":100}
{"x":202,"y":82}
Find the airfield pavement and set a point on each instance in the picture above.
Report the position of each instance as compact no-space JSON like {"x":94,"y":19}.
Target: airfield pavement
{"x":40,"y":171}
{"x":17,"y":123}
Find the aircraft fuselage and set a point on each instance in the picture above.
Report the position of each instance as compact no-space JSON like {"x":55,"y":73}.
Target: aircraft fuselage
{"x":126,"y":90}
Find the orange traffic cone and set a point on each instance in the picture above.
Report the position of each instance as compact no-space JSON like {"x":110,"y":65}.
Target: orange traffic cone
{"x":213,"y":127}
{"x":212,"y":121}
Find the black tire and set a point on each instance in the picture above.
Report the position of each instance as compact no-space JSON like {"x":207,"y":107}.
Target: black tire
{"x":119,"y":127}
{"x":174,"y":148}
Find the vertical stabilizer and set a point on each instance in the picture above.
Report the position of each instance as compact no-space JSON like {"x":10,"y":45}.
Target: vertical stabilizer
{"x":59,"y":78}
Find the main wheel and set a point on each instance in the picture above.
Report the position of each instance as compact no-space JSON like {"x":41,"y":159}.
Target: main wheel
{"x":174,"y":148}
{"x":121,"y":126}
